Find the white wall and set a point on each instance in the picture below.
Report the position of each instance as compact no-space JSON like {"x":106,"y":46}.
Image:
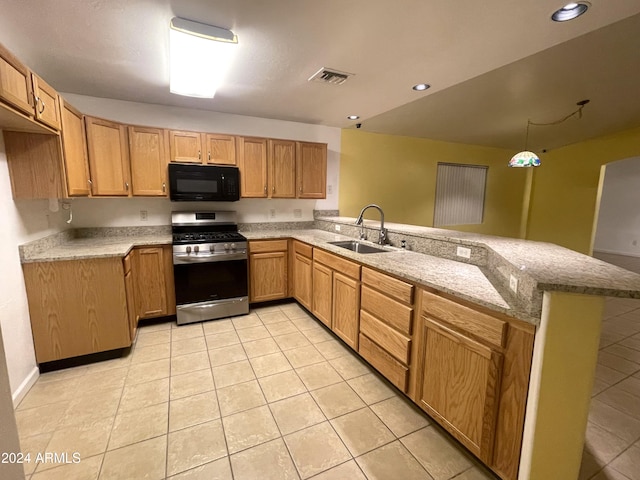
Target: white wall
{"x":618,"y":228}
{"x":20,"y":222}
{"x":124,"y":212}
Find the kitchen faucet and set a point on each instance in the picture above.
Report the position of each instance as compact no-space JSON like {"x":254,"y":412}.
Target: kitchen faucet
{"x":382,"y":239}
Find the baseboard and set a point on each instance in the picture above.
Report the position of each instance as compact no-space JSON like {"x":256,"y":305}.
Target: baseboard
{"x":25,"y":386}
{"x":620,"y":254}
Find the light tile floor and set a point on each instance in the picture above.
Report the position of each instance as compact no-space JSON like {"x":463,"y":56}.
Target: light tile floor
{"x":270,"y":395}
{"x":612,"y":446}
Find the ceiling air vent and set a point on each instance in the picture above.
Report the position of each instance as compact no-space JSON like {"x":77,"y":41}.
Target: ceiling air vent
{"x":327,"y":75}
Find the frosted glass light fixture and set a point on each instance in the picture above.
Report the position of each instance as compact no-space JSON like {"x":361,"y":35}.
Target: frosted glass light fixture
{"x":200,"y":56}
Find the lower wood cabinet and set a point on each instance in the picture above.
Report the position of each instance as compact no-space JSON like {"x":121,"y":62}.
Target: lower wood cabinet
{"x":268,"y":270}
{"x":322,"y":293}
{"x":346,"y":308}
{"x":152,"y":269}
{"x":302,"y":273}
{"x":77,"y":307}
{"x":131,"y":299}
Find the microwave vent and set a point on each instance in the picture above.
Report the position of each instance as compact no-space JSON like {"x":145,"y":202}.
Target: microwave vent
{"x":330,"y":76}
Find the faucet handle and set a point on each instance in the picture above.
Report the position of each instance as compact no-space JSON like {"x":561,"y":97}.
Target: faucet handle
{"x":382,"y":240}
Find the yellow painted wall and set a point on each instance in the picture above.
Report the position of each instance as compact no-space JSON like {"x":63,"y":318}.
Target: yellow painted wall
{"x":399,"y":174}
{"x":564,"y":198}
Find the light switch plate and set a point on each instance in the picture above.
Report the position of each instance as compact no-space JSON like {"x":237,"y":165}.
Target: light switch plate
{"x":464,"y":252}
{"x":143,"y":215}
{"x":513,"y":283}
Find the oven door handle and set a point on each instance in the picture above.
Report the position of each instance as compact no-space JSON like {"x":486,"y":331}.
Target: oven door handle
{"x":179,"y":259}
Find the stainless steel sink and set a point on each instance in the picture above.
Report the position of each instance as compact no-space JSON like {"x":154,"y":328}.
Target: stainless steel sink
{"x":358,"y":247}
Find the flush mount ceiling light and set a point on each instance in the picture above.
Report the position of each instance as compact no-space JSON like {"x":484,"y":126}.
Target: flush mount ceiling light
{"x":570,"y":11}
{"x":421,"y":86}
{"x":353,"y":117}
{"x":526,"y":158}
{"x":200,"y":56}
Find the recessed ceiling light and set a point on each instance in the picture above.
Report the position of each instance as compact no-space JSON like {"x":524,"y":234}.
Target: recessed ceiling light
{"x":570,"y":11}
{"x":353,"y":117}
{"x":421,"y":86}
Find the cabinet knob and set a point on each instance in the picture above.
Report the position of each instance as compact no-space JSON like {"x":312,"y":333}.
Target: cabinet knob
{"x":164,"y":187}
{"x":126,"y":186}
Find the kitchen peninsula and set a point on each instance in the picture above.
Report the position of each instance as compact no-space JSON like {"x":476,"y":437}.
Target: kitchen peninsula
{"x":531,"y":352}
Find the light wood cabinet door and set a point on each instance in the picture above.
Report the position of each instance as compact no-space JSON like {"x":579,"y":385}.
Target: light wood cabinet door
{"x":282,"y":169}
{"x":252,"y":161}
{"x":459,"y":385}
{"x":47,"y":102}
{"x":268,"y":276}
{"x":311,"y":170}
{"x":149,"y":159}
{"x":108,"y":157}
{"x":74,"y":146}
{"x":150,"y":284}
{"x":169,"y":281}
{"x":322,"y":293}
{"x":131,"y":299}
{"x":77,"y":307}
{"x":346,"y":309}
{"x":220,"y":149}
{"x":303,"y":280}
{"x":15,"y":83}
{"x":185,"y":147}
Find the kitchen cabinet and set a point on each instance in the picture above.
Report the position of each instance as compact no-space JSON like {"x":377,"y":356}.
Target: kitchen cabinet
{"x":149,"y":157}
{"x":74,"y":148}
{"x":129,"y":286}
{"x":47,"y":102}
{"x":282,"y":169}
{"x":185,"y":147}
{"x":77,"y":307}
{"x":220,"y":149}
{"x":108,"y":157}
{"x":252,"y":161}
{"x":311,"y":169}
{"x":303,"y":273}
{"x":386,"y":324}
{"x":15,"y":83}
{"x":336,"y":295}
{"x":150,"y":282}
{"x":268,"y":270}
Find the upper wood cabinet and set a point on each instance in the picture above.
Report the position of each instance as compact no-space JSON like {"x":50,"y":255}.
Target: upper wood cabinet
{"x":268,"y":270}
{"x":74,"y":146}
{"x":149,"y":156}
{"x":252,"y":161}
{"x":220,"y":149}
{"x":311,"y":169}
{"x":282,"y":169}
{"x":186,"y":147}
{"x":108,"y":157}
{"x":15,"y":83}
{"x":47,"y":103}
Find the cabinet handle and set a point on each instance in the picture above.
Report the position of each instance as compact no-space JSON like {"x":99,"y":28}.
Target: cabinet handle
{"x":273,"y":190}
{"x":164,"y":187}
{"x":300,"y":189}
{"x":265,"y":189}
{"x":126,"y":186}
{"x":209,"y":156}
{"x":90,"y":182}
{"x":199,"y":155}
{"x":39,"y":101}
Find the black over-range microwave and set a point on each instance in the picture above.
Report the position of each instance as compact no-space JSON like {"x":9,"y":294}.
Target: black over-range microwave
{"x":209,"y":183}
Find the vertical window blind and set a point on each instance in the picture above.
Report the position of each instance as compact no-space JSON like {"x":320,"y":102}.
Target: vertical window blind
{"x":460,"y":192}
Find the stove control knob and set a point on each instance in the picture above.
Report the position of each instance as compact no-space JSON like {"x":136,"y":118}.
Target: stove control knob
{"x":233,"y":246}
{"x":196,"y":249}
{"x":212,"y":248}
{"x":188,"y":249}
{"x":226,"y":246}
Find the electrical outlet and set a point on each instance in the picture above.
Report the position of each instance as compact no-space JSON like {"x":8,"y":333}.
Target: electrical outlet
{"x":463,"y":252}
{"x":143,"y":215}
{"x":337,"y":228}
{"x":513,"y":283}
{"x":297,"y":213}
{"x":329,"y":189}
{"x":272,"y":213}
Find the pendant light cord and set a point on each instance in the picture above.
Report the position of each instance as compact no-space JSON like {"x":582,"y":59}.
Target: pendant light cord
{"x":578,"y":112}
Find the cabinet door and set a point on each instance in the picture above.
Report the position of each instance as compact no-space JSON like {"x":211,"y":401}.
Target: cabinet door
{"x":149,"y":159}
{"x":252,"y":161}
{"x":150,"y":287}
{"x":311,"y":170}
{"x":74,"y":146}
{"x":282,"y":169}
{"x":322,"y":293}
{"x":15,"y":83}
{"x":302,"y":279}
{"x":170,"y":287}
{"x":460,"y":385}
{"x":47,"y":102}
{"x":220,"y":149}
{"x":268,"y":276}
{"x":131,"y":305}
{"x":186,"y":147}
{"x":108,"y":157}
{"x":346,"y":308}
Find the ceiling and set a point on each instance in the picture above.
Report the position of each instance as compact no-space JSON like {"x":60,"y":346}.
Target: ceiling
{"x":492,"y":64}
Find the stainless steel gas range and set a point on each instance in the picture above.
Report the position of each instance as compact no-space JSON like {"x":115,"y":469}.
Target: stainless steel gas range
{"x":209,"y":266}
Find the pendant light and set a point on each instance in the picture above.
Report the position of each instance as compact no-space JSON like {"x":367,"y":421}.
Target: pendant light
{"x":526,"y":158}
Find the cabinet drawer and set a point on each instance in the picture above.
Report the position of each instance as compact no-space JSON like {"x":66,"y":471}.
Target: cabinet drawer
{"x":389,"y":339}
{"x":393,"y":370}
{"x":303,"y":249}
{"x":392,"y":287}
{"x":393,"y":313}
{"x":334,"y":262}
{"x":480,"y":325}
{"x":264,"y":246}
